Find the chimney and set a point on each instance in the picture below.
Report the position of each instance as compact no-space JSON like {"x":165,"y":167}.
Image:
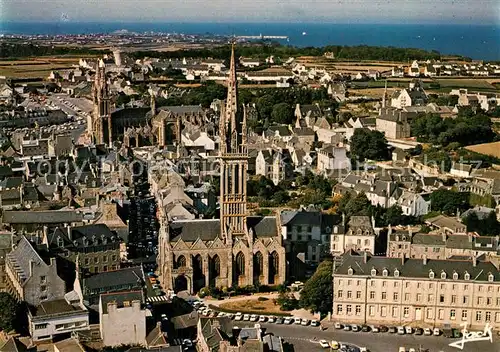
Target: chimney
{"x":365,"y":257}
{"x":389,"y":230}
{"x":474,"y":260}
{"x":424,"y":258}
{"x":443,"y":235}
{"x":68,"y":229}
{"x":403,"y":259}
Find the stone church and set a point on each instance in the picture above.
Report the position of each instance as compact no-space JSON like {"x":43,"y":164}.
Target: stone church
{"x":237,"y":249}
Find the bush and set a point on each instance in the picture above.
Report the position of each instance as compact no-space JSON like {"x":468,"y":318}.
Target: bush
{"x":204,"y":292}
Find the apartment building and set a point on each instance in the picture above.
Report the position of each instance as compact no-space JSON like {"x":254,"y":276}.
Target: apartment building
{"x":425,"y":293}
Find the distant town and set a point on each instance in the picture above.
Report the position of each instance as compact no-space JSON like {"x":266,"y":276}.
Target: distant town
{"x":170,"y":192}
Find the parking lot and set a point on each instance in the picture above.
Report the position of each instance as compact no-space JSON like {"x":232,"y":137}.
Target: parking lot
{"x":305,"y":335}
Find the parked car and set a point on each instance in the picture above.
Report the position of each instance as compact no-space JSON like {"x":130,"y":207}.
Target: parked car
{"x":347,"y":328}
{"x":401,"y":330}
{"x":408,"y":330}
{"x":254,"y":317}
{"x":238,"y":316}
{"x":338,"y":326}
{"x":402,"y":349}
{"x":279,"y":321}
{"x":383,"y":328}
{"x":262,"y":319}
{"x":304,"y":322}
{"x":419,"y":331}
{"x":392,"y":330}
{"x":363,"y":349}
{"x":365,"y":328}
{"x":287,"y":320}
{"x":355,"y":328}
{"x":412,"y":350}
{"x":271,"y":319}
{"x":334,"y":345}
{"x":375,"y":329}
{"x":246,"y":317}
{"x":436,"y":332}
{"x":297,"y":321}
{"x":314,"y":323}
{"x":427,"y":332}
{"x":324,"y":344}
{"x":230,"y":315}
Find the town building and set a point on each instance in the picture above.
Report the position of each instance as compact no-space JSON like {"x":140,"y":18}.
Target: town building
{"x":122,"y":318}
{"x":421,"y":292}
{"x":414,"y":95}
{"x":359,"y":235}
{"x":31,"y":278}
{"x":6,"y":240}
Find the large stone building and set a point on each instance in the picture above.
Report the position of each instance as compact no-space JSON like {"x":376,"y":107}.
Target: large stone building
{"x":422,"y":292}
{"x":238,"y":249}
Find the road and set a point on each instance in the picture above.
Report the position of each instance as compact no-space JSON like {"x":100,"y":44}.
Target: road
{"x":302,"y":338}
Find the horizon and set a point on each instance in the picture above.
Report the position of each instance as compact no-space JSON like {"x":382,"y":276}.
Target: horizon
{"x":248,"y":11}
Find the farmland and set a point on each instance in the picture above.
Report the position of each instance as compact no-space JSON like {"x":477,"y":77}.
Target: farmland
{"x":491,"y":149}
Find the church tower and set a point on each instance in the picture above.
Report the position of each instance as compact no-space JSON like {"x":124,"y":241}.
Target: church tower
{"x":100,"y":127}
{"x":233,"y":157}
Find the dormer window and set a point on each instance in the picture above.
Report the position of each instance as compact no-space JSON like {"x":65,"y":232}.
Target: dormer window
{"x":396,"y":273}
{"x":60,"y":242}
{"x":431,"y":274}
{"x":374,"y":272}
{"x":443,"y":275}
{"x":490,"y":277}
{"x":350,"y":271}
{"x":455,"y":276}
{"x":336,"y":229}
{"x":467,"y":276}
{"x":385,"y":272}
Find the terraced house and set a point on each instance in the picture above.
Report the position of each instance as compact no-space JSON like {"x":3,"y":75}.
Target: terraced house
{"x":421,"y":292}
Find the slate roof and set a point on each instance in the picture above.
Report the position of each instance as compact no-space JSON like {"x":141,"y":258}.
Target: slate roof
{"x":119,"y":298}
{"x":415,"y":268}
{"x":21,"y":257}
{"x":13,"y":345}
{"x":84,"y":236}
{"x":214,"y":334}
{"x":184,"y":109}
{"x":209,"y":229}
{"x":56,"y":306}
{"x":301,"y":217}
{"x":129,"y":276}
{"x":41,"y":217}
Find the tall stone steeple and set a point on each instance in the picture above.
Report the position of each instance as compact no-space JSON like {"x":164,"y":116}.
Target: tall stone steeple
{"x":233,"y":158}
{"x":100,"y":127}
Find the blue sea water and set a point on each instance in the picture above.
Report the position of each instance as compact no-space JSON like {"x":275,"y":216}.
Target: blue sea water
{"x":475,"y":41}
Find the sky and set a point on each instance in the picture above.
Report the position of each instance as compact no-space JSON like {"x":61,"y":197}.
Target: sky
{"x":340,"y":11}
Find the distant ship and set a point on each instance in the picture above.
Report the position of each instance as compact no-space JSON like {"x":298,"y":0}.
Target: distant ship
{"x":304,"y":33}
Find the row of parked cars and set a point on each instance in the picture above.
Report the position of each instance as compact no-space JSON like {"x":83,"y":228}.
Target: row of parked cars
{"x":400,"y":330}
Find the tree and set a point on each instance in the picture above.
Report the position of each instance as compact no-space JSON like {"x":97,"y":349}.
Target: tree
{"x":394,"y":216}
{"x":282,"y":113}
{"x":359,"y":205}
{"x":317,"y":294}
{"x":265,"y":105}
{"x":449,"y":201}
{"x":122,"y":99}
{"x":488,"y":226}
{"x":9,"y":310}
{"x":366,"y":144}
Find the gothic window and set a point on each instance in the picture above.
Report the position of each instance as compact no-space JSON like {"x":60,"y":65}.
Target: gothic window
{"x":181,"y":262}
{"x":216,"y":266}
{"x":273,"y":266}
{"x":258,"y":264}
{"x":240,"y":264}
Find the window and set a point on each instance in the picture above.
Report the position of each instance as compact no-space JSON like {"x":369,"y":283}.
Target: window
{"x":358,"y":310}
{"x":396,"y":273}
{"x":396,"y":284}
{"x":497,"y":317}
{"x":465,"y":299}
{"x":464,"y":314}
{"x":43,"y":288}
{"x":480,"y":300}
{"x":340,"y":282}
{"x":299,"y":228}
{"x":96,"y":260}
{"x":372,"y":295}
{"x":350,"y":271}
{"x":406,"y":312}
{"x":407,"y":284}
{"x":348,"y":309}
{"x":419,"y":285}
{"x":442,"y":287}
{"x":395,"y":296}
{"x":87,"y":261}
{"x":339,"y":308}
{"x":479,"y":315}
{"x":466,"y":287}
{"x":384,"y":283}
{"x":452,"y":314}
{"x":383,"y":311}
{"x":374,"y":272}
{"x":105,"y":268}
{"x":43,"y":297}
{"x":96,"y":269}
{"x":371,"y":311}
{"x":431,"y":286}
{"x":104,"y":258}
{"x":407,"y":297}
{"x":372,"y":283}
{"x":453,"y":299}
{"x":384,"y":295}
{"x":443,"y":275}
{"x":431,"y":274}
{"x":349,"y":294}
{"x":419,"y":297}
{"x":43,"y":279}
{"x":358,"y":283}
{"x":488,"y":301}
{"x":480,"y":288}
{"x":349,"y":282}
{"x":429,"y":313}
{"x":441,"y":298}
{"x":441,"y":314}
{"x":309,"y":228}
{"x":455,"y":276}
{"x":339,"y":294}
{"x":113,"y":257}
{"x":40,"y":326}
{"x":385,"y":272}
{"x":394,"y":312}
{"x":430,"y":298}
{"x":467,"y":276}
{"x":487,"y":317}
{"x":358,"y":294}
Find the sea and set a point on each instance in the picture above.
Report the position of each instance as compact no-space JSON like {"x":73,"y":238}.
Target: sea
{"x":480,"y":42}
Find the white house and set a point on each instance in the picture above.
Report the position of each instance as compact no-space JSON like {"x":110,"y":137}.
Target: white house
{"x":411,"y":203}
{"x":198,"y":139}
{"x":333,"y":158}
{"x":461,"y":170}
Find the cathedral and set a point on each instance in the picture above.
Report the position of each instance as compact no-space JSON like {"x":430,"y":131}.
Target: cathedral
{"x":237,"y":249}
